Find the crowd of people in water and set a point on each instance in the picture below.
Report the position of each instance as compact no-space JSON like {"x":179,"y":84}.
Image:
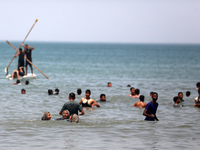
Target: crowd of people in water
{"x":72,"y":109}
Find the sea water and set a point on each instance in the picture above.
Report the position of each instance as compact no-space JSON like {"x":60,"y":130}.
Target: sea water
{"x":166,"y":69}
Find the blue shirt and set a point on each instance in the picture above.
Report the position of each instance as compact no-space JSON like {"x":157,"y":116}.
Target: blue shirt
{"x":151,"y":109}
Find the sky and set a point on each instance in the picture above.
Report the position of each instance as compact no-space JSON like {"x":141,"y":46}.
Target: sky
{"x":101,"y":21}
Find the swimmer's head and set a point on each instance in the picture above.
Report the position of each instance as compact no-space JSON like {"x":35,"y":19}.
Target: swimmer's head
{"x":50,"y":92}
{"x":137,"y":91}
{"x":87,"y":93}
{"x":180,"y":95}
{"x":103,"y":97}
{"x":79,"y":91}
{"x":46,"y":116}
{"x":65,"y":114}
{"x":109,"y":84}
{"x":75,"y":118}
{"x":176,"y":99}
{"x":128,"y":85}
{"x":57,"y":91}
{"x":23,"y":91}
{"x":132,"y":90}
{"x":187,"y":93}
{"x":142,"y":98}
{"x":27,"y":82}
{"x":72,"y":96}
{"x":17,"y":81}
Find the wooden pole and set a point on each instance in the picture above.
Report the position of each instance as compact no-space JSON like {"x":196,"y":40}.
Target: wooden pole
{"x":28,"y":60}
{"x":6,"y":69}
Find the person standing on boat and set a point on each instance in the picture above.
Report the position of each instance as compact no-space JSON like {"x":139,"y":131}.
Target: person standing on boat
{"x":21,"y":59}
{"x":28,"y":52}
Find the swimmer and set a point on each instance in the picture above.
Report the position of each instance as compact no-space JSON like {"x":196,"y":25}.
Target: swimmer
{"x":74,"y":118}
{"x":72,"y":106}
{"x":140,"y":104}
{"x":17,"y":82}
{"x":109,"y":84}
{"x":79,"y":91}
{"x":46,"y":116}
{"x":56,"y":91}
{"x":137,"y":93}
{"x":102,"y":98}
{"x":187,"y":93}
{"x":65,"y":115}
{"x":180,"y":95}
{"x":50,"y":92}
{"x":177,"y":101}
{"x":87,"y":101}
{"x":197,"y":100}
{"x":132,"y":90}
{"x":23,"y":91}
{"x":128,"y":85}
{"x":27,"y":82}
{"x":198,"y":85}
{"x":151,"y":108}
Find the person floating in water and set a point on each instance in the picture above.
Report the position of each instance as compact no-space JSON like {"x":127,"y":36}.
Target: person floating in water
{"x":197,"y":100}
{"x":87,"y":101}
{"x":46,"y":116}
{"x":72,"y":106}
{"x":151,"y":108}
{"x":28,"y":52}
{"x":141,"y":104}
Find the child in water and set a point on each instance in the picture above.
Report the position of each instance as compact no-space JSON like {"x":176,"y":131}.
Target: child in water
{"x":46,"y":116}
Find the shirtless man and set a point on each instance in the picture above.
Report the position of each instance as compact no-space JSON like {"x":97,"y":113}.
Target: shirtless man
{"x":140,"y":104}
{"x":87,"y":101}
{"x":137,"y":93}
{"x":132,"y":90}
